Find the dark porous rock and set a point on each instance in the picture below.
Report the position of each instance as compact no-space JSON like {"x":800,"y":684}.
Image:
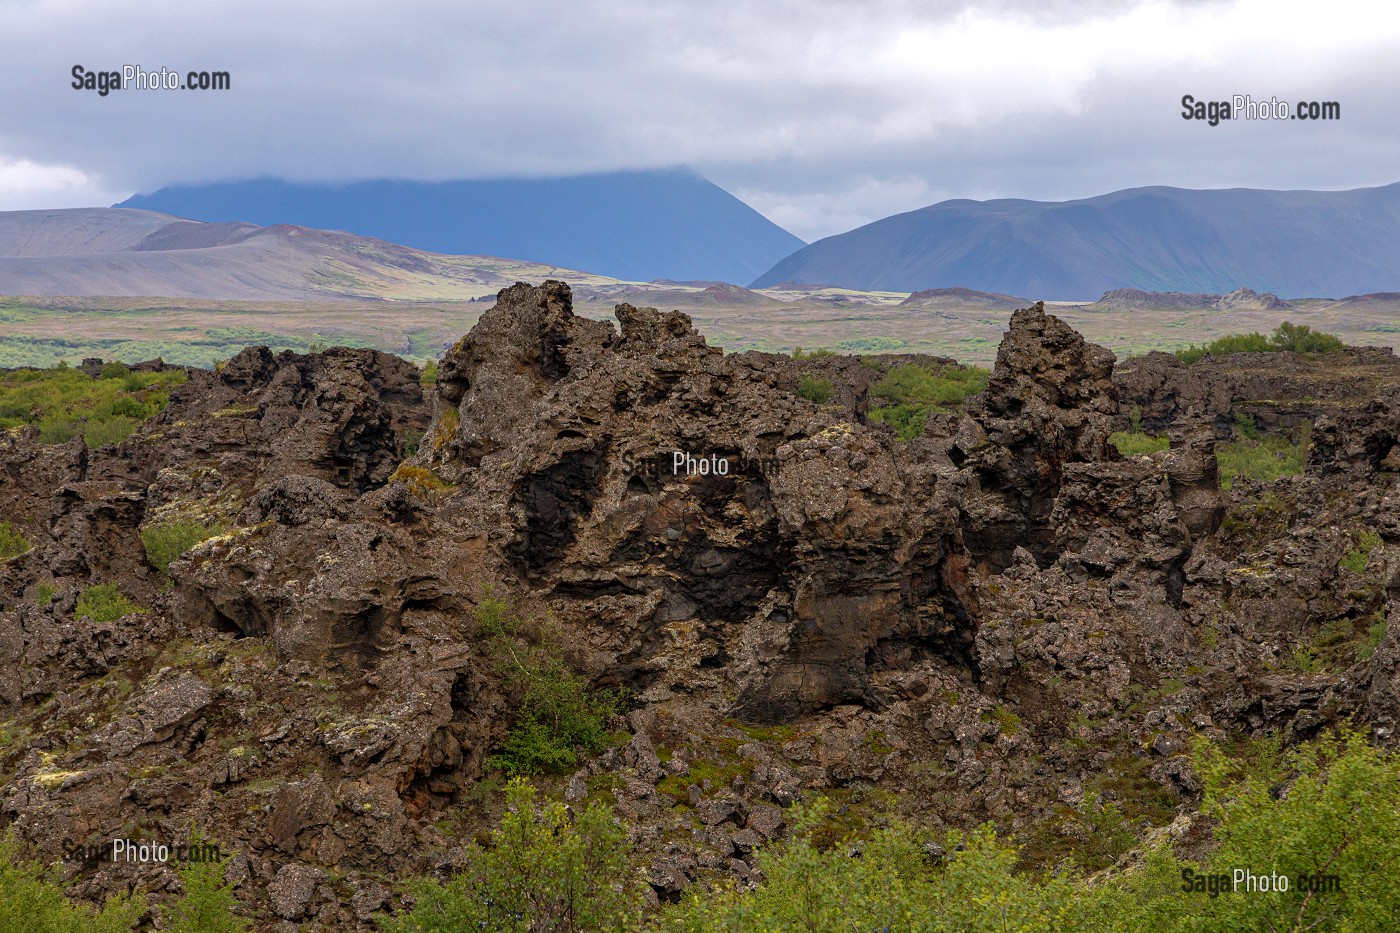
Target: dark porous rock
{"x":991,"y":622}
{"x":292,"y":891}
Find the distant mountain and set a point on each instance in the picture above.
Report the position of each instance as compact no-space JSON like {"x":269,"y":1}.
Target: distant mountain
{"x":1241,"y":299}
{"x":119,"y":252}
{"x":627,"y":225}
{"x":1291,"y":243}
{"x":944,"y":299}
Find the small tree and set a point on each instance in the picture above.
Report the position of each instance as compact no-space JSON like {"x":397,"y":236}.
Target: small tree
{"x":543,"y":870}
{"x":207,"y":904}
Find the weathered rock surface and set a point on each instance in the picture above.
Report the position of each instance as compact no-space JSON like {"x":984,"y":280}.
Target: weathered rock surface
{"x":984,"y":622}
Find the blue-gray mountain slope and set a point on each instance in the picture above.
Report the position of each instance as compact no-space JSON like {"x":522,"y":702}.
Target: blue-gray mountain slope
{"x":1291,"y":243}
{"x":669,"y":224}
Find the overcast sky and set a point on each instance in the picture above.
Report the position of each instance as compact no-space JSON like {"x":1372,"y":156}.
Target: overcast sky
{"x":823,"y":115}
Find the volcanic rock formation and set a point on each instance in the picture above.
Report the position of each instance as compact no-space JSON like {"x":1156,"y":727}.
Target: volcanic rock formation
{"x":983,"y":621}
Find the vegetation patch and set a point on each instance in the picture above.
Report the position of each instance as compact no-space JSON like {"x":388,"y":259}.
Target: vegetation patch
{"x":910,"y":393}
{"x":559,"y":719}
{"x":815,"y":390}
{"x":1262,"y":458}
{"x":421,"y":481}
{"x":13,"y":543}
{"x":103,"y":602}
{"x":543,"y":868}
{"x":32,"y":901}
{"x":1297,"y":338}
{"x":167,"y":541}
{"x":65,"y":403}
{"x":1355,"y":558}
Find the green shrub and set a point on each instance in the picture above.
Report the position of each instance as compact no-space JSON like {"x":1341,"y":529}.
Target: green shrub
{"x":1266,"y":459}
{"x":429,"y":374}
{"x":1355,"y":559}
{"x":558,"y":721}
{"x":800,"y":354}
{"x":544,"y":869}
{"x":871,"y":344}
{"x":207,"y":903}
{"x":1131,"y":444}
{"x":169,"y":540}
{"x":558,"y":718}
{"x":113,"y":430}
{"x":1336,"y":816}
{"x":12,"y":541}
{"x":32,"y":901}
{"x":65,"y":403}
{"x":910,"y":393}
{"x":1375,"y":634}
{"x":103,"y":602}
{"x":1298,"y":338}
{"x":45,"y":594}
{"x":815,"y":390}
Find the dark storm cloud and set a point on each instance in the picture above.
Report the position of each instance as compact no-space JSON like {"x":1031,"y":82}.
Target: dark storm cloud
{"x":822,"y":114}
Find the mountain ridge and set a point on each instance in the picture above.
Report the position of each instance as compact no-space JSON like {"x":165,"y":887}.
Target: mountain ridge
{"x":635,"y":225}
{"x":1156,"y":238}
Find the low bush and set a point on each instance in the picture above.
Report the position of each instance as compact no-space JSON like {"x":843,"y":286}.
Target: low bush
{"x":1132,"y":444}
{"x":65,"y":403}
{"x":911,"y":392}
{"x":1264,"y":459}
{"x":1298,"y":338}
{"x":12,"y":541}
{"x":206,"y":906}
{"x":559,"y":719}
{"x":543,"y":869}
{"x":169,"y":540}
{"x":815,"y":390}
{"x":32,"y":901}
{"x":1355,"y":558}
{"x":103,"y":602}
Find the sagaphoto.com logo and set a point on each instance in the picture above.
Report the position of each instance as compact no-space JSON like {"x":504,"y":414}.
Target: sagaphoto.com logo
{"x":1245,"y":107}
{"x":134,"y":77}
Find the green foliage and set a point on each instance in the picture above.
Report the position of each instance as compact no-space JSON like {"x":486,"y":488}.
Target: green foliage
{"x":1338,"y":816}
{"x":893,"y":885}
{"x":429,"y":374}
{"x":1355,"y":558}
{"x":167,"y":541}
{"x":1298,"y":338}
{"x":1375,"y":634}
{"x":207,"y":904}
{"x":12,"y":541}
{"x":543,"y":870}
{"x":103,"y":602}
{"x":1265,"y":459}
{"x":559,"y":719}
{"x":45,"y":594}
{"x":65,"y":403}
{"x":871,"y":344}
{"x":1132,"y":444}
{"x":815,"y":390}
{"x":910,"y":393}
{"x":800,"y":354}
{"x":32,"y":901}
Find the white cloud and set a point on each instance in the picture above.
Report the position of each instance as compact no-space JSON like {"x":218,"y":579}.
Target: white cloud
{"x":824,"y":114}
{"x":26,"y":185}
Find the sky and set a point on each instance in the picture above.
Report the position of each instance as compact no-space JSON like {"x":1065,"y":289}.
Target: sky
{"x":823,"y":115}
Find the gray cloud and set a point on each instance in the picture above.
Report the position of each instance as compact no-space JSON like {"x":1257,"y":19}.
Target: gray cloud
{"x":822,"y":114}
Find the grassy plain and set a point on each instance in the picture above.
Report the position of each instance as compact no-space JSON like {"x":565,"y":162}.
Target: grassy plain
{"x":42,"y":331}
